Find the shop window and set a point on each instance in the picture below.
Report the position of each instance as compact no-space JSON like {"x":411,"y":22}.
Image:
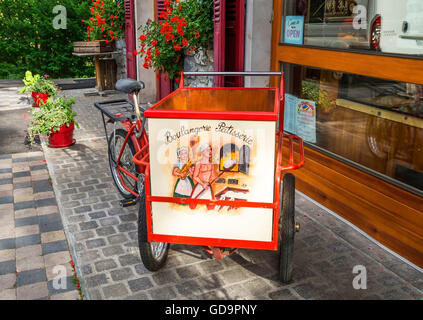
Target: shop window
{"x":385,"y":26}
{"x":374,"y":123}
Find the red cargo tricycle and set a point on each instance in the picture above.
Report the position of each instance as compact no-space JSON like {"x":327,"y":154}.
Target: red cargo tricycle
{"x":205,"y":167}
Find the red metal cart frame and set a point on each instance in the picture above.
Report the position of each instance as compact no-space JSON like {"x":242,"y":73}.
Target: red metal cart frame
{"x":142,"y":159}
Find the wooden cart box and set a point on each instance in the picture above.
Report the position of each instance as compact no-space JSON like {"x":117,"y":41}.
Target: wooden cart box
{"x":215,"y":144}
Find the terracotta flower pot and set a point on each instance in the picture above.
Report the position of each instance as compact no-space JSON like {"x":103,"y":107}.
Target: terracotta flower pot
{"x":63,"y":137}
{"x":38,"y":97}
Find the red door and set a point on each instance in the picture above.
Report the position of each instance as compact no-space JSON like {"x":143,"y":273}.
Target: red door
{"x":219,"y":40}
{"x":229,"y":16}
{"x":234,"y":39}
{"x":164,"y":84}
{"x":131,"y":62}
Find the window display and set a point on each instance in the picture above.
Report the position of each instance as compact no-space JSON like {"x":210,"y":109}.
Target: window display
{"x":375,"y":123}
{"x":387,"y":26}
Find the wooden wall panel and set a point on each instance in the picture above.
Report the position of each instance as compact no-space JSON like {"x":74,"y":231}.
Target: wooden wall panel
{"x":380,"y":212}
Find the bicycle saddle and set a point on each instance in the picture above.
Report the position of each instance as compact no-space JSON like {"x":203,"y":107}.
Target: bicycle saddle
{"x":129,"y":85}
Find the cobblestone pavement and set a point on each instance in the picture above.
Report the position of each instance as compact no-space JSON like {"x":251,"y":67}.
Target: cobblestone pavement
{"x":11,"y":100}
{"x":33,"y":246}
{"x":103,"y":237}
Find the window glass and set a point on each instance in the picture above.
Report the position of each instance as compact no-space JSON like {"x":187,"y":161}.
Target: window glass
{"x":387,"y":26}
{"x":373,"y":122}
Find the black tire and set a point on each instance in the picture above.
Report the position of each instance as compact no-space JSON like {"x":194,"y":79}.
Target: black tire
{"x":287,"y":228}
{"x":126,"y":162}
{"x":152,"y":260}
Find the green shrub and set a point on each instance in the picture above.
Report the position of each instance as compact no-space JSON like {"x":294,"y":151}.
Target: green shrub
{"x":29,"y":41}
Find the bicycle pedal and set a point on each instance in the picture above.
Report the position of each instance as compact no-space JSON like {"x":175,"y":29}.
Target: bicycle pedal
{"x":128,"y":203}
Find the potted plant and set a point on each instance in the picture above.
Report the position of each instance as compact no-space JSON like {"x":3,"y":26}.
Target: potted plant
{"x":184,"y":27}
{"x":41,"y":88}
{"x":56,"y":120}
{"x":104,"y":26}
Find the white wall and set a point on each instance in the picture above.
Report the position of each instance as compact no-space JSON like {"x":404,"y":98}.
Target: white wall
{"x":258,"y":39}
{"x":144,"y":10}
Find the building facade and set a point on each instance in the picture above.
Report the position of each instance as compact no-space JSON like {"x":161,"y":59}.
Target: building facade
{"x":357,"y":67}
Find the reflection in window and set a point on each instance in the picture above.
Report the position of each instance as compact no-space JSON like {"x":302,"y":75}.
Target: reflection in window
{"x":373,"y":122}
{"x":389,"y":26}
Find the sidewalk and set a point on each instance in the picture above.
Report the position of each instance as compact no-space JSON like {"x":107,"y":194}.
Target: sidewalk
{"x":102,"y":239}
{"x":103,"y":235}
{"x":33,"y":246}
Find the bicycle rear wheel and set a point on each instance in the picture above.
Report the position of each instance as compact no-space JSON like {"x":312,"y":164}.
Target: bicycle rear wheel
{"x":120,"y":178}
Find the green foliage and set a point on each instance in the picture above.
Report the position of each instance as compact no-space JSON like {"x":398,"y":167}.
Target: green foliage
{"x":51,"y":116}
{"x":38,"y":84}
{"x":183,"y":28}
{"x":107,"y":20}
{"x":311,"y":91}
{"x":28,"y":39}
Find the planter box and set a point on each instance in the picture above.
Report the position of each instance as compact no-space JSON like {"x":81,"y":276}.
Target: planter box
{"x":97,"y":46}
{"x":63,"y":137}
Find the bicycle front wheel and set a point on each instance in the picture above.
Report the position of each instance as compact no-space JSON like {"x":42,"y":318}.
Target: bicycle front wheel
{"x":120,"y":178}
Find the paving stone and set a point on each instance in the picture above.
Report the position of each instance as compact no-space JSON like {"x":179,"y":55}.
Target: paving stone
{"x":96,"y":280}
{"x":42,"y":186}
{"x":105,"y":265}
{"x":112,"y":251}
{"x":97,"y":215}
{"x":166,"y":293}
{"x":88,"y":225}
{"x":7,"y":232}
{"x":25,"y":278}
{"x":95,"y":243}
{"x":70,"y":295}
{"x":29,"y":263}
{"x":54,"y":246}
{"x":109,"y":221}
{"x":5,"y":200}
{"x":7,"y":254}
{"x":140,"y":284}
{"x":187,"y":272}
{"x":128,"y":259}
{"x":115,"y":291}
{"x":165,"y":277}
{"x":84,"y":235}
{"x":32,"y":291}
{"x":22,"y":185}
{"x":57,"y":258}
{"x":8,"y":243}
{"x":58,"y":286}
{"x":59,"y":271}
{"x":50,"y":222}
{"x":27,"y":230}
{"x":91,"y":255}
{"x":27,"y":240}
{"x":47,"y":210}
{"x":8,"y":294}
{"x":121,"y":274}
{"x":7,"y":281}
{"x":24,"y":205}
{"x":117,"y":239}
{"x":53,"y":236}
{"x":26,"y":213}
{"x":7,"y":267}
{"x":45,"y":202}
